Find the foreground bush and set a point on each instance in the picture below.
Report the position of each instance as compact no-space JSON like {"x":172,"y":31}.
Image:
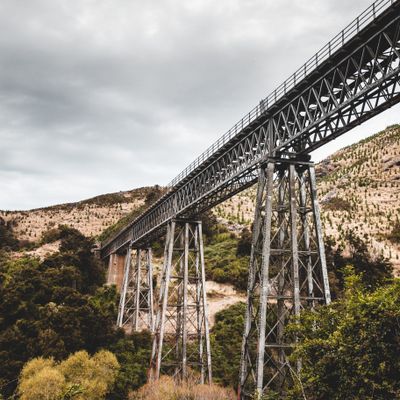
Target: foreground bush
{"x":167,"y":389}
{"x":350,"y":349}
{"x":80,"y":377}
{"x":55,"y":307}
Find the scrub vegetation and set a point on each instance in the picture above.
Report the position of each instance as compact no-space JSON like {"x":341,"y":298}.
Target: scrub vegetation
{"x":57,"y":317}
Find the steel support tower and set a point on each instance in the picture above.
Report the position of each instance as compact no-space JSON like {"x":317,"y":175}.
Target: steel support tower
{"x":351,"y":79}
{"x":181,"y":343}
{"x":135,"y":311}
{"x":287,"y":272}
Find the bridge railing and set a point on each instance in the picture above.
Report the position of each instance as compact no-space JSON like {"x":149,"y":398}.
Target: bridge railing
{"x":374,"y":10}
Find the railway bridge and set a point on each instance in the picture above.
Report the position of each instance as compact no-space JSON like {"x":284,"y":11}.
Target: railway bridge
{"x":351,"y":79}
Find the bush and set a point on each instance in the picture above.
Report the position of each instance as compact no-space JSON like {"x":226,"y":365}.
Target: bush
{"x":226,"y":342}
{"x":79,"y":376}
{"x":167,"y":389}
{"x":349,"y":350}
{"x":222,"y":262}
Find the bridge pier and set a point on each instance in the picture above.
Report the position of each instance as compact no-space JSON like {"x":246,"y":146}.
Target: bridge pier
{"x":181,"y":339}
{"x":115,"y":271}
{"x":287,"y":273}
{"x":135,"y":311}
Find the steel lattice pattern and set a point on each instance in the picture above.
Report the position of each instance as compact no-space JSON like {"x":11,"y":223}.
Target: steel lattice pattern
{"x":181,"y":343}
{"x":135,"y":311}
{"x":356,"y":82}
{"x":287,"y":272}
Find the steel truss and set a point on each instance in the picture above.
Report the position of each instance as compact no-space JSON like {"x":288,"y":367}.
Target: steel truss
{"x":181,"y":343}
{"x":135,"y":311}
{"x":356,"y":82}
{"x":287,"y":272}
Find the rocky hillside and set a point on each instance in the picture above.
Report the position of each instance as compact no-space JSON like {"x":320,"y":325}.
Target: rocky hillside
{"x":91,"y":216}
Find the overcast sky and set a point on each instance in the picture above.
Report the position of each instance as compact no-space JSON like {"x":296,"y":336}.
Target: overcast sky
{"x":99,"y":96}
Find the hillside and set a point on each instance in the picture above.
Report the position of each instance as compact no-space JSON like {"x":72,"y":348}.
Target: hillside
{"x":91,"y":216}
{"x":359,"y":189}
{"x":56,"y":304}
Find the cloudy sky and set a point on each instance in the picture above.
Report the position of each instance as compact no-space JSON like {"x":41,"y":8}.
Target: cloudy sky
{"x":99,"y":96}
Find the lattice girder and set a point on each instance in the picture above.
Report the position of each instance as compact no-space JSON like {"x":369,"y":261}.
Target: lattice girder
{"x":355,"y":83}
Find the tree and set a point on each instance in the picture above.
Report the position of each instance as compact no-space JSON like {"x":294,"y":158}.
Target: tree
{"x":79,"y":376}
{"x":210,"y":225}
{"x":133,"y":354}
{"x":7,"y":238}
{"x":222,"y":263}
{"x":56,"y":307}
{"x":349,"y":349}
{"x":374,"y":271}
{"x":47,"y":384}
{"x":75,"y":251}
{"x":95,"y":375}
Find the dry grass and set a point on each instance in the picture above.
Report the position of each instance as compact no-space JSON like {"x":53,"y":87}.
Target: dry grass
{"x":167,"y":389}
{"x":91,"y":217}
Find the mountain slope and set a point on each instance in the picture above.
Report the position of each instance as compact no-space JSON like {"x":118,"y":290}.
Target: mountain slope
{"x":358,"y":186}
{"x":91,"y":216}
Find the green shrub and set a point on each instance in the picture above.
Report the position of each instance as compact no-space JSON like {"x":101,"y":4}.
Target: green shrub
{"x":349,"y":350}
{"x":223,"y":265}
{"x":226,"y":342}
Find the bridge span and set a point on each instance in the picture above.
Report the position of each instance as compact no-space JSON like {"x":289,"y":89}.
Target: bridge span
{"x":352,"y":78}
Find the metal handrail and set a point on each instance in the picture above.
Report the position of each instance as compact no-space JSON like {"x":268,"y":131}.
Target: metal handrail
{"x":375,"y":9}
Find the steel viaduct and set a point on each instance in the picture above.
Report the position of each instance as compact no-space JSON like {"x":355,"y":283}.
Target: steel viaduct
{"x":351,"y":79}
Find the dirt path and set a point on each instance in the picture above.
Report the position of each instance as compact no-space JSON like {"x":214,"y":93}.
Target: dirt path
{"x":221,"y":296}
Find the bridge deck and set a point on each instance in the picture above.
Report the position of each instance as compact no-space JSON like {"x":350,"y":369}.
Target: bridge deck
{"x":351,"y":79}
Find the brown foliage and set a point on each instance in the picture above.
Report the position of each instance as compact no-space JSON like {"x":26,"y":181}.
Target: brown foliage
{"x":167,"y":389}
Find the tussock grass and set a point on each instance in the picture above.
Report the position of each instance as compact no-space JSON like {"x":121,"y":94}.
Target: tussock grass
{"x":167,"y":389}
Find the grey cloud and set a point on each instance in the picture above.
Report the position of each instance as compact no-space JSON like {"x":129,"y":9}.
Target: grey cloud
{"x":98,"y":96}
